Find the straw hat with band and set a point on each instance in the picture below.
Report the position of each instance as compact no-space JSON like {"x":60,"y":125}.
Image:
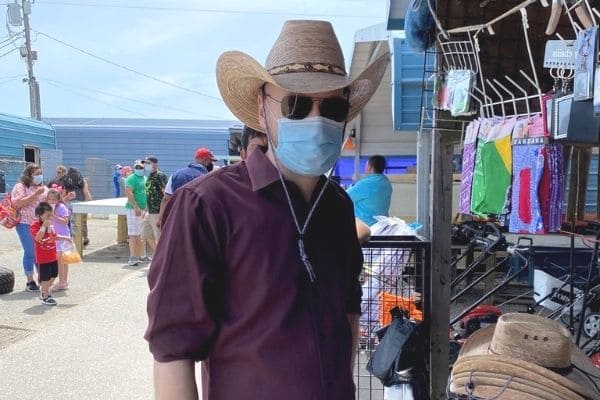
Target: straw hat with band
{"x":305,"y":59}
{"x":523,"y":349}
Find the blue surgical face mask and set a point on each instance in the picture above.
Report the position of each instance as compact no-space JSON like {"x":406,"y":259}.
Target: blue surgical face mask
{"x":38,"y":179}
{"x":139,"y":172}
{"x":148,"y":167}
{"x":309,"y":146}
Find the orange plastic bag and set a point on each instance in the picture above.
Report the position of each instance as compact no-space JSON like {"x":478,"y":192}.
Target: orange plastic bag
{"x":388,"y":301}
{"x":71,"y":255}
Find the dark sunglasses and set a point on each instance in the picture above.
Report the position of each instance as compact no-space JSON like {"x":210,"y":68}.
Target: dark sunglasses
{"x":296,"y":106}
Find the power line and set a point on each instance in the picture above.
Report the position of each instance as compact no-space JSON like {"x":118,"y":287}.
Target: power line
{"x":113,"y":63}
{"x":202,"y":10}
{"x":96,"y":100}
{"x":8,"y":52}
{"x":161,"y":106}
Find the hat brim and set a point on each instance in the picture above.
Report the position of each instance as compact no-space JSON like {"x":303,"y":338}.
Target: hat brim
{"x":239,"y":78}
{"x":490,"y":385}
{"x":475,"y":357}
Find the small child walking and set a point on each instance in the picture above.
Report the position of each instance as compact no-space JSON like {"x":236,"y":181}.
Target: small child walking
{"x":46,"y":256}
{"x":60,"y":223}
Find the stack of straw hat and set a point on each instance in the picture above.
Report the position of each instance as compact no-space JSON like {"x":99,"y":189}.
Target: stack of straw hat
{"x":524,"y":357}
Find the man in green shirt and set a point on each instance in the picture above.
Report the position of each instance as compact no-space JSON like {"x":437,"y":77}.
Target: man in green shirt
{"x":135,"y":189}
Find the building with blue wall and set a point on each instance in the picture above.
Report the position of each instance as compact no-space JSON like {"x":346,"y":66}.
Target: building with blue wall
{"x":95,"y":145}
{"x":24,"y":140}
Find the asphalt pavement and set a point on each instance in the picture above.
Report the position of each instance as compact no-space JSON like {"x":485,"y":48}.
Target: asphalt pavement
{"x":88,"y":347}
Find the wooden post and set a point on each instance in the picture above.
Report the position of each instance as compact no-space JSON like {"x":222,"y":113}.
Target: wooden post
{"x":79,"y":233}
{"x":121,"y":229}
{"x":423,"y":180}
{"x":580,"y":167}
{"x":441,"y":228}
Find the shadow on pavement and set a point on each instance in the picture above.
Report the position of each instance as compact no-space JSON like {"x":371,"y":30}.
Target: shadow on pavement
{"x":41,"y":308}
{"x":110,"y":254}
{"x":18,"y":295}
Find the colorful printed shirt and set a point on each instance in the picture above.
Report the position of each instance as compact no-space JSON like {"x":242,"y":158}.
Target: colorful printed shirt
{"x":155,"y":186}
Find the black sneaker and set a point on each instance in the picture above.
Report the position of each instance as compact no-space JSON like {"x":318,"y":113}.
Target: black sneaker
{"x":32,"y":287}
{"x":49,"y":301}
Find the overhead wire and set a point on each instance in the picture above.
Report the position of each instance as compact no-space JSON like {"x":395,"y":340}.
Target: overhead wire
{"x":78,"y":93}
{"x":144,"y":102}
{"x":8,"y":52}
{"x":201,"y":10}
{"x":116,"y":64}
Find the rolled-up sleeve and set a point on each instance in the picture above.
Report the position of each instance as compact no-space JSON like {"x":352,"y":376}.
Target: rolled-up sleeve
{"x":183,"y":304}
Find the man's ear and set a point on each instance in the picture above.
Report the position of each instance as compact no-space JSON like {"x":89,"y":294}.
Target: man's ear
{"x":261,"y":111}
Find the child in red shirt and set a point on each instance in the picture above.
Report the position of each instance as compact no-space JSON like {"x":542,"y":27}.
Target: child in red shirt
{"x":46,"y":256}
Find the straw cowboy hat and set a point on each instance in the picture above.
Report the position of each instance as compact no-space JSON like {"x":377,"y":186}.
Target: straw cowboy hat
{"x":305,"y":59}
{"x":524,"y":357}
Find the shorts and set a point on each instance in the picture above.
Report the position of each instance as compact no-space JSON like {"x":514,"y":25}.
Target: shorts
{"x":149,"y":228}
{"x":134,"y":223}
{"x":47,"y":271}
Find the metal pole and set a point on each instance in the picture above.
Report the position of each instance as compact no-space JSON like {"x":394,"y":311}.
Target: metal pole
{"x":34,"y":91}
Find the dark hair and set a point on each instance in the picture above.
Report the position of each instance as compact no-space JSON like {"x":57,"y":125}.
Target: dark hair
{"x":27,"y":175}
{"x":247,"y":135}
{"x":42,"y":208}
{"x":377,"y":164}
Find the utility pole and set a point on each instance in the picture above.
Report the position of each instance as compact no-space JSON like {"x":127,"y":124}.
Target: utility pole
{"x":34,"y":87}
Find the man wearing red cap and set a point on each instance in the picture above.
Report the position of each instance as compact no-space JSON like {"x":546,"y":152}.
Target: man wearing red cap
{"x":204,"y":164}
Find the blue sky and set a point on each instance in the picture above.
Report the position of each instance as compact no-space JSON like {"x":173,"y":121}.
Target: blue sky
{"x":177,"y":46}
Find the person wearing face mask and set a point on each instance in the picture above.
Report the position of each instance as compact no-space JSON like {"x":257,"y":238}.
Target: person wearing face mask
{"x":259,"y":277}
{"x":155,"y":188}
{"x":26,"y":195}
{"x":203,"y":164}
{"x":135,"y":189}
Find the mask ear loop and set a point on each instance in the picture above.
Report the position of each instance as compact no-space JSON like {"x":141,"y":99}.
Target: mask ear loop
{"x":300,"y":231}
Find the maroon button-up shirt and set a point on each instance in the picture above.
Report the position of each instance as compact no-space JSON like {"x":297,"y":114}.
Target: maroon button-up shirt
{"x":227,"y":286}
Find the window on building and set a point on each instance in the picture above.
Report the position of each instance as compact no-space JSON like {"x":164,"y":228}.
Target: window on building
{"x":32,"y":154}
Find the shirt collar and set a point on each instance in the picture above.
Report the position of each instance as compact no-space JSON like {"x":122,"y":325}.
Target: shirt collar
{"x":260,"y":169}
{"x":198,"y":166}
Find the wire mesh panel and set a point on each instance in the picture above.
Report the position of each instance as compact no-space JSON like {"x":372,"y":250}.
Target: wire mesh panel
{"x":395,"y":274}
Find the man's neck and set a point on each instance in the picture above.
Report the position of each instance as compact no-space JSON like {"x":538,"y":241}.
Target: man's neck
{"x":306,"y":184}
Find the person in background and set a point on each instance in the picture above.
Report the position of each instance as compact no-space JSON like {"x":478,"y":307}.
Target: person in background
{"x":259,"y":277}
{"x":60,"y":223}
{"x":251,"y":139}
{"x":135,"y":189}
{"x":155,"y":190}
{"x":46,"y":257}
{"x":116,"y":179}
{"x":26,"y":195}
{"x":203,"y":164}
{"x":372,"y":194}
{"x":73,"y":181}
{"x":61,"y":171}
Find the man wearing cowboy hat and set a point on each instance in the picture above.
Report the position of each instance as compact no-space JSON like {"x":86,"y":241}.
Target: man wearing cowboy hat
{"x":259,"y":275}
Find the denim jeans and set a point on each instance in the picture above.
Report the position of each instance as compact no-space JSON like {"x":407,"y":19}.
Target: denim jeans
{"x":28,"y":249}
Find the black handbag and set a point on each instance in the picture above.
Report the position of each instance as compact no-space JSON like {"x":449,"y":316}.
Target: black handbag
{"x":397,"y":358}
